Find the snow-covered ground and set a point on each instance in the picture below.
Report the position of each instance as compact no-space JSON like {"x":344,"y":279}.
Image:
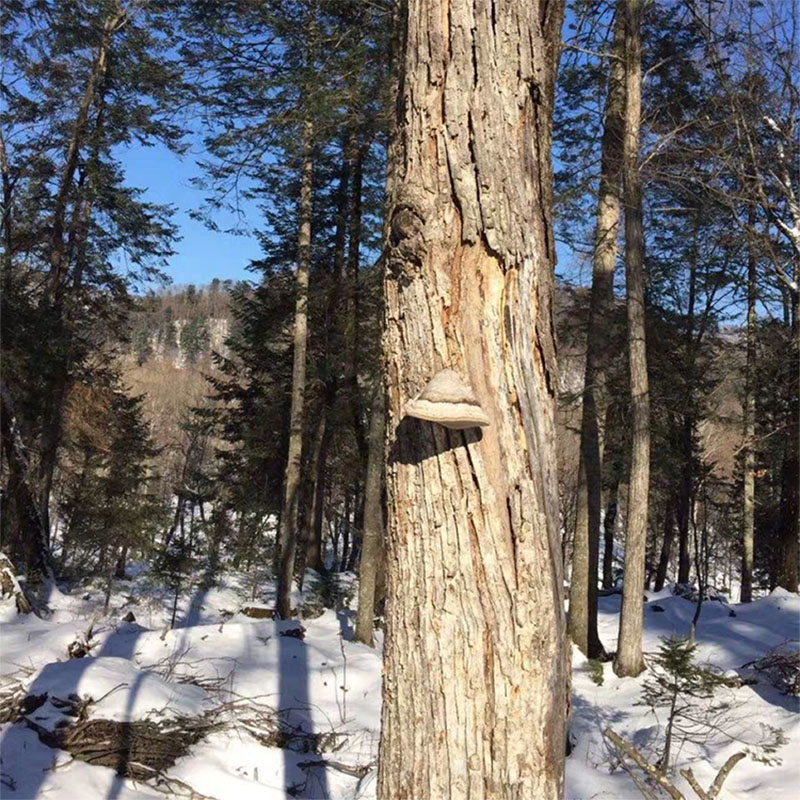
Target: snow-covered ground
{"x":323,"y":692}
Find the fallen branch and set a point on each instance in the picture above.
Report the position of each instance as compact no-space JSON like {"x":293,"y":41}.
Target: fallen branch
{"x":656,"y":774}
{"x":348,"y":769}
{"x":624,"y":747}
{"x":716,"y":786}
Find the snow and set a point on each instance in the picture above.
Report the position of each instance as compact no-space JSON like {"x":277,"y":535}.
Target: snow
{"x":318,"y":683}
{"x":120,"y":690}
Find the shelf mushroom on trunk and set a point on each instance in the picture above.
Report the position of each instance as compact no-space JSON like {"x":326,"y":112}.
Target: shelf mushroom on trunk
{"x":448,"y":400}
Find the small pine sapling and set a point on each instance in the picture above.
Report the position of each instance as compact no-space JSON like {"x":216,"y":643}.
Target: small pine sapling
{"x":676,"y":682}
{"x":688,"y":691}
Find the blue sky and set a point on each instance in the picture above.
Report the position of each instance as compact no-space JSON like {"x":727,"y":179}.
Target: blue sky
{"x":202,"y":254}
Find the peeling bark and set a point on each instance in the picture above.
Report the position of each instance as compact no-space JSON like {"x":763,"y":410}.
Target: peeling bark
{"x":475,"y":685}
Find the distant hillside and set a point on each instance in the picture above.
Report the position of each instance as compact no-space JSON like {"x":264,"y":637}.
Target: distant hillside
{"x":182,"y":325}
{"x":173,"y":335}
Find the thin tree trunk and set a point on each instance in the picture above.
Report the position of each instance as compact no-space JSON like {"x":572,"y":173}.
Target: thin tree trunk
{"x":749,"y":425}
{"x":122,"y":559}
{"x":583,"y":593}
{"x":319,"y":457}
{"x":56,"y":276}
{"x":475,"y":680}
{"x":322,"y":439}
{"x":685,"y":505}
{"x":287,"y":533}
{"x":666,"y":548}
{"x":62,"y":254}
{"x":790,"y":473}
{"x":629,"y":659}
{"x":345,"y":530}
{"x":32,"y":527}
{"x":352,"y":388}
{"x":609,"y":525}
{"x":372,"y":546}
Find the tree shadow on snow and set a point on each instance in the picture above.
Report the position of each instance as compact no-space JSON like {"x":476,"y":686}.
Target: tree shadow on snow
{"x":294,"y":703}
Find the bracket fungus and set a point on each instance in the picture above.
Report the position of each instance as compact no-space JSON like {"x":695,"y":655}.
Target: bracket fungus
{"x":448,"y":400}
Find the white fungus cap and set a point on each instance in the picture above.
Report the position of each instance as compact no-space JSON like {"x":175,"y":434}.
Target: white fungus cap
{"x":448,"y":400}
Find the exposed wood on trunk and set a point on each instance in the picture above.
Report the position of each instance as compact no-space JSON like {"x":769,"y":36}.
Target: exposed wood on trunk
{"x":475,"y":681}
{"x":629,"y":659}
{"x":583,"y":591}
{"x":287,"y":532}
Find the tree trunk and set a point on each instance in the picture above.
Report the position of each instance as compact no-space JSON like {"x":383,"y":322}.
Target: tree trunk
{"x":629,"y":660}
{"x":29,"y":519}
{"x":313,"y":558}
{"x":339,"y":566}
{"x":475,"y":680}
{"x":287,"y":532}
{"x":122,"y":560}
{"x":666,"y":548}
{"x":790,"y":474}
{"x":352,"y":306}
{"x":583,"y":593}
{"x":609,"y":524}
{"x":372,"y":544}
{"x":749,"y":426}
{"x":685,"y":500}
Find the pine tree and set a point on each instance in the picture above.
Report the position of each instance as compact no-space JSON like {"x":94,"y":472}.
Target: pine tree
{"x":81,"y":82}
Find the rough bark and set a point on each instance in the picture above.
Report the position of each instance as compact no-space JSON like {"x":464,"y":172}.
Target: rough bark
{"x":749,"y":428}
{"x":372,"y":543}
{"x":475,"y":683}
{"x":287,"y":532}
{"x":629,"y":659}
{"x":583,"y":592}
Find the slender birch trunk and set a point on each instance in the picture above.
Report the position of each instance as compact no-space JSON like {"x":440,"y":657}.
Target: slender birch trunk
{"x":583,"y":587}
{"x":475,"y":681}
{"x":629,"y":659}
{"x":287,"y":531}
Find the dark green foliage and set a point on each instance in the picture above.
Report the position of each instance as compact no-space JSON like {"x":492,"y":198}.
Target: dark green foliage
{"x":194,"y":338}
{"x":108,"y":498}
{"x":80,"y":81}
